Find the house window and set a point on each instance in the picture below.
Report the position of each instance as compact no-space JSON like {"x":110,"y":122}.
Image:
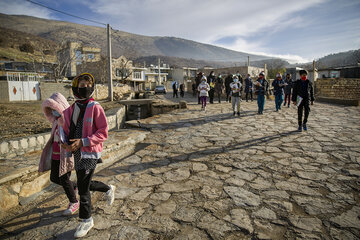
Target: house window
{"x":137,"y":75}
{"x":90,"y":56}
{"x":78,"y":55}
{"x":8,"y":66}
{"x":118,"y":72}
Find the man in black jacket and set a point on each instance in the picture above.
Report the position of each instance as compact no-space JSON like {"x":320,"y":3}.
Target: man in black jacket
{"x":303,"y":94}
{"x":228,"y":80}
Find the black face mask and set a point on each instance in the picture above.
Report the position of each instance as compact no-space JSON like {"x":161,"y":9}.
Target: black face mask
{"x":85,"y":92}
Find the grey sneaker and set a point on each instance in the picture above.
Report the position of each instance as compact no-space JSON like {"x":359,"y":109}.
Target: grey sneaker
{"x":84,"y":227}
{"x":110,"y":195}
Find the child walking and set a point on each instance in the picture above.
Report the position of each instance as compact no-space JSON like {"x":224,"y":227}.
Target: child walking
{"x":261,"y":90}
{"x":87,"y":129}
{"x":287,"y":90}
{"x":278,"y":85}
{"x":303,"y":94}
{"x":203,"y":89}
{"x":235,"y":95}
{"x":53,"y":156}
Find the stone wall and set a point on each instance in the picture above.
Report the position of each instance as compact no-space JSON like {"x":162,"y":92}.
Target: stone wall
{"x":101,"y":91}
{"x":20,"y":146}
{"x":340,"y":88}
{"x":4,"y":91}
{"x":48,"y":88}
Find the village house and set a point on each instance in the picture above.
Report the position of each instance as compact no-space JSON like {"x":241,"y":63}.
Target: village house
{"x":74,"y":54}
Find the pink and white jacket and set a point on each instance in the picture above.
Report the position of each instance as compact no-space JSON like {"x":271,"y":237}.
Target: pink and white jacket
{"x":94,"y":131}
{"x":56,"y":102}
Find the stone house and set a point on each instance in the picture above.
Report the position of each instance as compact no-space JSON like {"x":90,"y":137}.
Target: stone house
{"x":74,"y":54}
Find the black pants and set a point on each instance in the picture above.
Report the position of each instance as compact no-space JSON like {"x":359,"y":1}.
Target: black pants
{"x":303,"y":106}
{"x":228,"y":95}
{"x":251,"y":96}
{"x":219,"y":96}
{"x":211,"y":95}
{"x":175,"y":93}
{"x":182,"y":93}
{"x":85,"y":185}
{"x":64,"y":180}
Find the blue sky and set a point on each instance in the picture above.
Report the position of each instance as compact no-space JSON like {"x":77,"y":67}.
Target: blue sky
{"x":296,"y":30}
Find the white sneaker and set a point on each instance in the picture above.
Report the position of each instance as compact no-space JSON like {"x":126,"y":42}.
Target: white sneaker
{"x":110,"y":195}
{"x":84,"y":227}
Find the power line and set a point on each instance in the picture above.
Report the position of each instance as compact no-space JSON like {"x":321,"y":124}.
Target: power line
{"x":71,"y":15}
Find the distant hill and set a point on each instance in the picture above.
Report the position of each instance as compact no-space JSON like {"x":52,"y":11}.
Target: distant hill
{"x":20,"y":46}
{"x":349,"y":58}
{"x":130,"y":45}
{"x":341,"y":59}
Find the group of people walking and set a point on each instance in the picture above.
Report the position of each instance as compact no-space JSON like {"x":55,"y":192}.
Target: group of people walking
{"x":176,"y":90}
{"x":299,"y":92}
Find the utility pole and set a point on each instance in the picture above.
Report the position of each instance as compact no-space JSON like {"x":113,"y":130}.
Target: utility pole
{"x":265,"y":70}
{"x":159,"y":80}
{"x":314,"y":71}
{"x":248,"y":61}
{"x":110,"y":84}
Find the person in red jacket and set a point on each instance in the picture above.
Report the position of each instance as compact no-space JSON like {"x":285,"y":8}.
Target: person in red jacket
{"x":303,"y":94}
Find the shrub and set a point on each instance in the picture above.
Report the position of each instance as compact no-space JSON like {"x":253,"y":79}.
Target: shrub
{"x":26,"y":47}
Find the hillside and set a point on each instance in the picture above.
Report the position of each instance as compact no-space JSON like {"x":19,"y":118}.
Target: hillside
{"x":20,"y":46}
{"x":349,"y":58}
{"x":123,"y":43}
{"x":341,"y":59}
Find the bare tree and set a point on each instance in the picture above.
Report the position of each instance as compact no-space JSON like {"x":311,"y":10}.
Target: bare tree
{"x":123,"y":69}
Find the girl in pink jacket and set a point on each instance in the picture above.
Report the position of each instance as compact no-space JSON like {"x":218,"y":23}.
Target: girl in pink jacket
{"x":53,"y":156}
{"x":86,"y":128}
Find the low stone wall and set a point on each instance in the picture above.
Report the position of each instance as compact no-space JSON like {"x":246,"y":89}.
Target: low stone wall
{"x":102,"y":91}
{"x":339,"y":88}
{"x":48,"y":88}
{"x":20,"y":146}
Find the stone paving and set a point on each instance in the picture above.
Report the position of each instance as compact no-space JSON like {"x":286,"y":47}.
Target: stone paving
{"x":209,"y":175}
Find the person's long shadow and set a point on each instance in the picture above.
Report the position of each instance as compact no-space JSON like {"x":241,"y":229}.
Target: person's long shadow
{"x":195,"y":121}
{"x":200,"y":153}
{"x":34,"y":218}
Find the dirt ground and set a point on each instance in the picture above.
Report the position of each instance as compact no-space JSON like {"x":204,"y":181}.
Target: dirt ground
{"x":18,"y":119}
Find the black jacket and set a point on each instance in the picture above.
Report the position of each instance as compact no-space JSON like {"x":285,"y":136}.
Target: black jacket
{"x":303,"y":89}
{"x":228,"y":80}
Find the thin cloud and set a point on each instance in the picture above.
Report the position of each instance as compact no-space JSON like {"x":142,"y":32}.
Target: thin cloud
{"x":19,"y":7}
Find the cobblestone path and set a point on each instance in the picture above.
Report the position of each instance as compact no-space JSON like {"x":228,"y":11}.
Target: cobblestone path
{"x":209,"y":175}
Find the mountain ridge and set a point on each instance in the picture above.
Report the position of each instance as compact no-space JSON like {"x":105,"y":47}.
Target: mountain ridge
{"x":123,"y":43}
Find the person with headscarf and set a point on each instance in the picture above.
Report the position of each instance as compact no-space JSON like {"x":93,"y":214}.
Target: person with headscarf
{"x":287,"y":89}
{"x":197,"y":82}
{"x":236,"y":87}
{"x":219,"y":86}
{"x":86,"y":128}
{"x":203,"y":92}
{"x":261,"y":89}
{"x":53,"y":156}
{"x":248,"y":88}
{"x":228,"y":81}
{"x":211,"y":81}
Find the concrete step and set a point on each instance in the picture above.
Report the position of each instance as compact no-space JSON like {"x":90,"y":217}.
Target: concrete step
{"x":21,"y":183}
